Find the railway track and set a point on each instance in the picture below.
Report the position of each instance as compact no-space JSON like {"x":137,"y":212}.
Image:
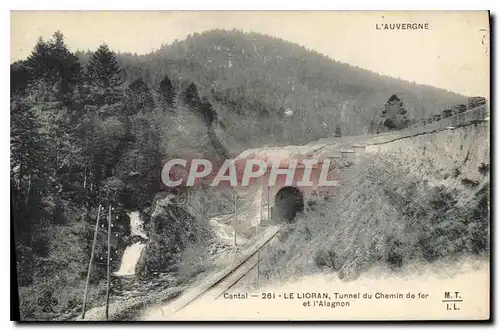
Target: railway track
{"x":217,"y":284}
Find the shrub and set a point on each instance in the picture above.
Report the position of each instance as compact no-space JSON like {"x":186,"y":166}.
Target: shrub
{"x":329,"y":259}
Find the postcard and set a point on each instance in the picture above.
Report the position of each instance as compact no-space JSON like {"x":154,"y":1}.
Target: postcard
{"x":250,"y":165}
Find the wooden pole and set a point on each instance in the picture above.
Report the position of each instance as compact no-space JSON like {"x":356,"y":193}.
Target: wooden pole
{"x":234,"y":226}
{"x":108,"y":264}
{"x":268,"y":203}
{"x":260,"y":208}
{"x":90,"y":262}
{"x":258,"y":232}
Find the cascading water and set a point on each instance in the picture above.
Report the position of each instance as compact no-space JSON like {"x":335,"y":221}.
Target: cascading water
{"x":136,"y":225}
{"x":129,"y":259}
{"x":132,"y":252}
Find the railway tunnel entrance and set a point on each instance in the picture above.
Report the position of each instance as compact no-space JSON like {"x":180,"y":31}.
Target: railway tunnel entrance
{"x":288,"y":202}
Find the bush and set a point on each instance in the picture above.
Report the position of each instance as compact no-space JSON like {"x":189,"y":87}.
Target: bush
{"x":329,"y":259}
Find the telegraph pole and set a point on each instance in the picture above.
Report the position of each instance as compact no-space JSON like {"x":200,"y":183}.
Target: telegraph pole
{"x":268,"y":202}
{"x":258,"y":232}
{"x":90,"y":262}
{"x":108,"y":264}
{"x":234,"y":226}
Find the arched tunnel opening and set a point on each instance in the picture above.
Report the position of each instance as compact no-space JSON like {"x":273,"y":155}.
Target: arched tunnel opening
{"x":288,"y":202}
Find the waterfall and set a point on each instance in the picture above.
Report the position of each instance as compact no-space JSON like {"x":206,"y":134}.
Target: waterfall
{"x":132,"y":252}
{"x":136,"y":225}
{"x":129,"y":259}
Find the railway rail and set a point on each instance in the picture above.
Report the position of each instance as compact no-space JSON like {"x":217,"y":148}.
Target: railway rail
{"x":217,"y":284}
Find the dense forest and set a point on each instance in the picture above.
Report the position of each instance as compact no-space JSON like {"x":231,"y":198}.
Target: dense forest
{"x":92,"y":128}
{"x":302,"y":95}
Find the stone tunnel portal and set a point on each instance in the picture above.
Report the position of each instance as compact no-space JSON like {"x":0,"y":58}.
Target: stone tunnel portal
{"x":288,"y":201}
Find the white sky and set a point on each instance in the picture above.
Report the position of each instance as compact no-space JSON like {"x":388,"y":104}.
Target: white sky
{"x":453,"y":54}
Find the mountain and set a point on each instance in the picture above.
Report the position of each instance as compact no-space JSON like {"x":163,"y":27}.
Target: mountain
{"x":278,"y":92}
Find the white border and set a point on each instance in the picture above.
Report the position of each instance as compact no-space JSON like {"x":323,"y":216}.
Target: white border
{"x":254,"y":5}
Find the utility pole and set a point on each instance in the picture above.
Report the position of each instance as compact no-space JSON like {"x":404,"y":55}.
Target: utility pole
{"x":234,"y":226}
{"x":258,"y":232}
{"x":268,"y":203}
{"x":108,"y":264}
{"x":90,"y":262}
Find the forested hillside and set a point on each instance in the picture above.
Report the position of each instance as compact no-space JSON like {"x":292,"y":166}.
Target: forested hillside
{"x":266,"y":87}
{"x":82,"y":137}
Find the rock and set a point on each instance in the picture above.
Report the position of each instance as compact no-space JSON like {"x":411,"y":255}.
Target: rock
{"x":171,"y":230}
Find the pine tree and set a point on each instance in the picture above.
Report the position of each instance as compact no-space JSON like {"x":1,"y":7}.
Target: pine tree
{"x":65,"y":64}
{"x":53,"y":63}
{"x":139,"y":97}
{"x":103,"y":70}
{"x":205,"y":111}
{"x":167,"y":92}
{"x":191,"y":96}
{"x":38,"y":59}
{"x":394,"y":115}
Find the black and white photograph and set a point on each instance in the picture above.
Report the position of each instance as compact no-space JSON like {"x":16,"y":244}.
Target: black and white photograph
{"x":250,"y":165}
